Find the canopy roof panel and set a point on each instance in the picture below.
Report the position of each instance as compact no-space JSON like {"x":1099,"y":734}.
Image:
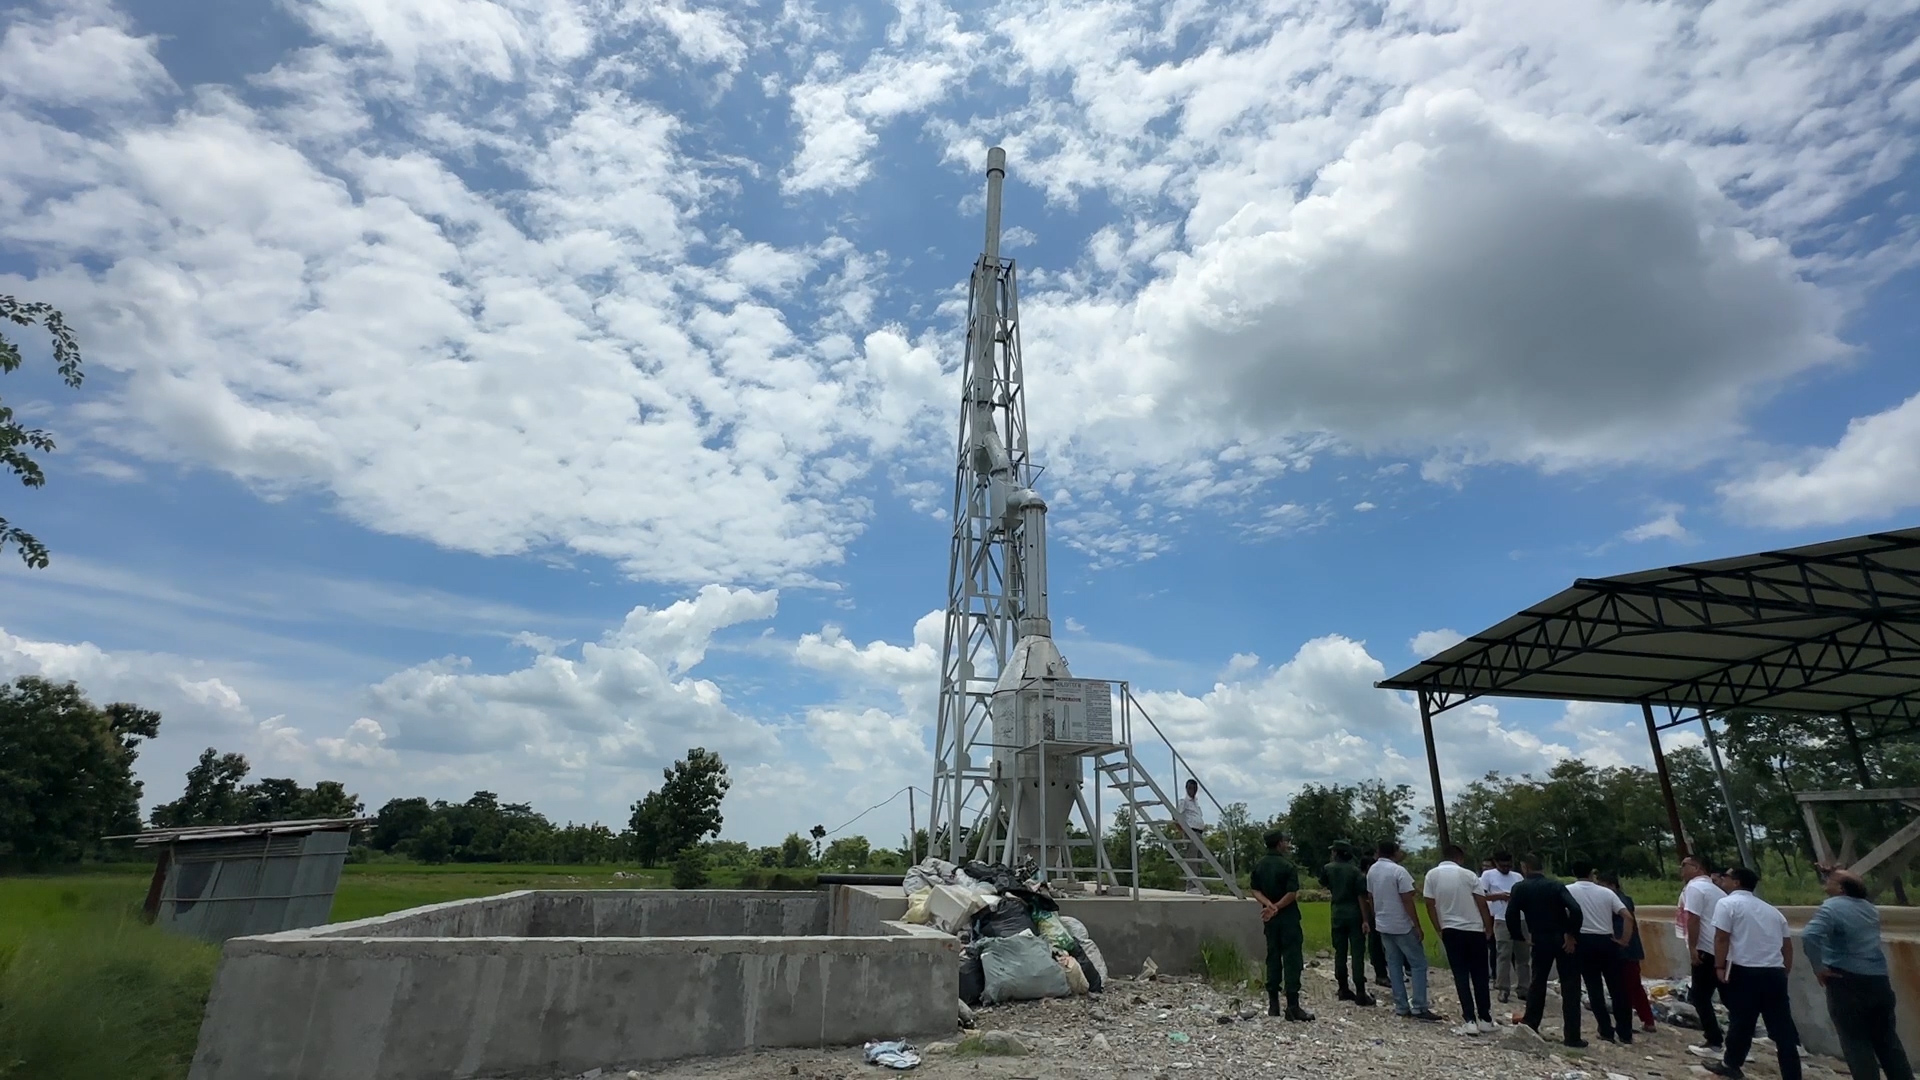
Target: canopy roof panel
{"x":1826,"y":629}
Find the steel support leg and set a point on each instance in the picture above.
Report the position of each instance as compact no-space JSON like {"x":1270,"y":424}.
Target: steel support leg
{"x":1433,"y":771}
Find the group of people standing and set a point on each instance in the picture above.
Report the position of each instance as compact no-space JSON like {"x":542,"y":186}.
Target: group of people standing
{"x":1505,"y":930}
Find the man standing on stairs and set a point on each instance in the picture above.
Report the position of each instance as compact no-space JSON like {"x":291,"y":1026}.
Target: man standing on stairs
{"x":1196,"y":823}
{"x":1276,"y":884}
{"x":1345,"y":886}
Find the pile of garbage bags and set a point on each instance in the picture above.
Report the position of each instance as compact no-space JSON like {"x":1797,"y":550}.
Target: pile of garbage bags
{"x":1672,"y":1004}
{"x":1017,"y":946}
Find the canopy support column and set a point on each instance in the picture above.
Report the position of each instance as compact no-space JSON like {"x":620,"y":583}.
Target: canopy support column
{"x":1666,"y":783}
{"x":1433,"y":770}
{"x":1726,"y":793}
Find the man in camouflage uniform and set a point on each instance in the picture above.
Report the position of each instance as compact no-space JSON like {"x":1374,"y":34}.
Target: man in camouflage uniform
{"x":1345,"y":885}
{"x":1276,"y":884}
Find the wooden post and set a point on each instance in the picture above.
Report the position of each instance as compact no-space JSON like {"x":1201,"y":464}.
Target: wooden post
{"x":1433,"y":771}
{"x":1666,"y":783}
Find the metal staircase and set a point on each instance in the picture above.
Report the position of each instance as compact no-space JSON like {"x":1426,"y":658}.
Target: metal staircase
{"x":1152,"y":812}
{"x":1155,"y":818}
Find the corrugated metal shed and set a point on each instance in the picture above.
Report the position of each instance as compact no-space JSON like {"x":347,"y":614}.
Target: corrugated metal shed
{"x":220,"y":881}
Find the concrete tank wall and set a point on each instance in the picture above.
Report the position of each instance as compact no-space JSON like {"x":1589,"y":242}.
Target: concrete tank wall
{"x":371,"y":1004}
{"x":701,"y":913}
{"x":505,"y":915}
{"x":1900,"y":928}
{"x":1168,"y":927}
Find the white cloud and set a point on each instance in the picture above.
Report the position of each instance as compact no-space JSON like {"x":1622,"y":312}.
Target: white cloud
{"x":1318,"y":718}
{"x":1873,"y":472}
{"x":626,"y":700}
{"x":82,"y":54}
{"x":572,"y":363}
{"x":1465,"y":276}
{"x":1665,"y":527}
{"x":1363,"y":507}
{"x":839,"y":112}
{"x":1433,"y":642}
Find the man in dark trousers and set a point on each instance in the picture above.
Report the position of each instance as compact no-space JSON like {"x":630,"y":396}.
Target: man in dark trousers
{"x":1753,"y":957}
{"x":1345,"y":885}
{"x":1598,"y":950}
{"x":1276,"y":884}
{"x":1541,"y":914}
{"x":1699,"y":895}
{"x":1842,"y":942}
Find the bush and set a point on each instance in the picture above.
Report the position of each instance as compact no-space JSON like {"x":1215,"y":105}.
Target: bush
{"x":106,"y":996}
{"x":690,"y":868}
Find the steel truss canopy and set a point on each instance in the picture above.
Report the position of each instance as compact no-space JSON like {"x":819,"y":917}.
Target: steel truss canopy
{"x":1830,"y":629}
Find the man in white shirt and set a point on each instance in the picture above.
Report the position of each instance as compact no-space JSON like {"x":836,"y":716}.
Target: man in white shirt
{"x":1752,"y":957}
{"x":1388,"y":906}
{"x":1194,"y":820}
{"x":1513,"y":965}
{"x":1457,"y":904}
{"x":1698,"y":898}
{"x":1598,"y":953}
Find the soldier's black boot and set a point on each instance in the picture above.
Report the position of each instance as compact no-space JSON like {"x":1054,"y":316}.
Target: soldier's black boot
{"x":1273,"y":1003}
{"x":1294,"y":1011}
{"x":1363,"y":998}
{"x":1346,"y":992}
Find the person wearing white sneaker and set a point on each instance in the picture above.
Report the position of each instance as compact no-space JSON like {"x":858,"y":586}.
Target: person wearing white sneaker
{"x":1457,"y":904}
{"x":1699,"y":896}
{"x":1753,"y":958}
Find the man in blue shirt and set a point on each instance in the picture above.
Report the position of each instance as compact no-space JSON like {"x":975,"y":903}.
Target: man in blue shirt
{"x":1842,"y":942}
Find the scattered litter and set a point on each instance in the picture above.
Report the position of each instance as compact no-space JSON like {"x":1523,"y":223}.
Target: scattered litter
{"x":1149,"y":970}
{"x":1101,"y":1044}
{"x":1179,"y":1038}
{"x":893,"y":1054}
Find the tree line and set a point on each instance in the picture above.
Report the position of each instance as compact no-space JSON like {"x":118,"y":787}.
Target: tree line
{"x":66,"y":781}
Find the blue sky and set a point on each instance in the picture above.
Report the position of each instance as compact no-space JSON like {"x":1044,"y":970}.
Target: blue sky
{"x":511,"y":394}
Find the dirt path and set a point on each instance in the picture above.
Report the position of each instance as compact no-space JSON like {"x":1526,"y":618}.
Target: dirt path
{"x":1134,"y":1031}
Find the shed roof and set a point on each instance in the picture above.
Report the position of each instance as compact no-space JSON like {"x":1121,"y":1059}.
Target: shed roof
{"x":1826,"y":629}
{"x":228,"y":832}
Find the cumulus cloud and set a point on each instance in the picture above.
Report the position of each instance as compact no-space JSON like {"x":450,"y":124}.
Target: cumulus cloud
{"x":575,"y":361}
{"x":1466,"y":276}
{"x":627,"y":699}
{"x":1432,"y":642}
{"x":1665,"y":527}
{"x":1871,"y":473}
{"x":1317,"y":718}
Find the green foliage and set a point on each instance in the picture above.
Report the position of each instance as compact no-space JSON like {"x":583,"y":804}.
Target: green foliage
{"x":683,"y":811}
{"x":66,"y":772}
{"x":847,"y":853}
{"x":17,"y":441}
{"x":796,"y":851}
{"x":1319,"y":815}
{"x":1381,"y":813}
{"x":214,"y":795}
{"x":690,"y":868}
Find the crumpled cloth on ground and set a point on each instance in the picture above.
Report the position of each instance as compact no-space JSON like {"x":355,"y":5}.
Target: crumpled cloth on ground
{"x":1076,"y":979}
{"x":892,"y":1054}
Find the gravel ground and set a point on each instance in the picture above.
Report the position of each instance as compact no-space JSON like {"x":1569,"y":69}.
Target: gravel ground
{"x":1131,"y":1032}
